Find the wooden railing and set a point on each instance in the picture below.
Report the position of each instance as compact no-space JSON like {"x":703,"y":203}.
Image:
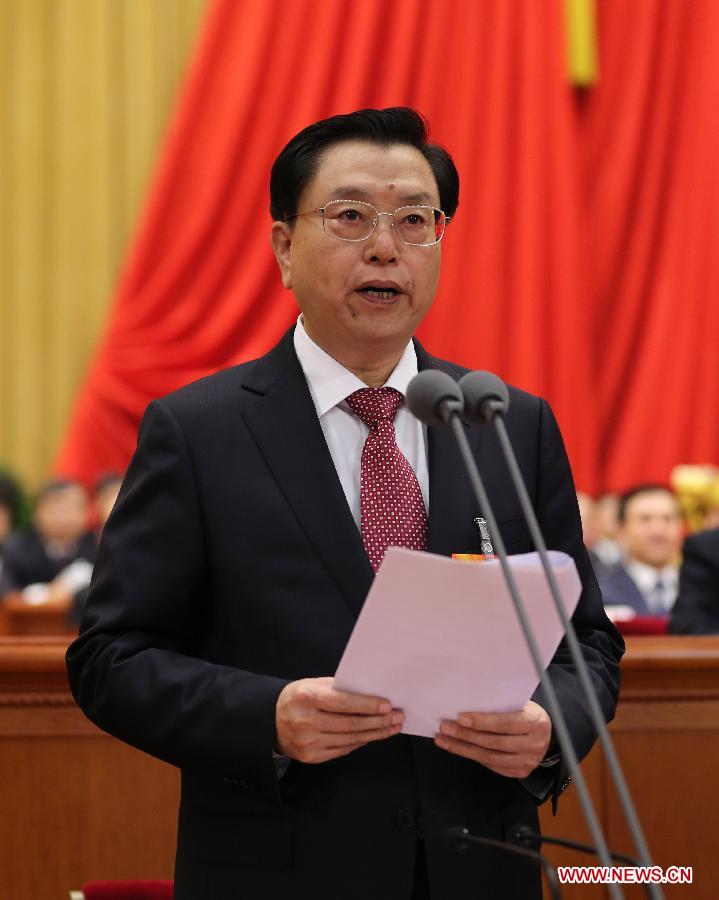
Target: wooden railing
{"x":20,"y":619}
{"x":666,"y":733}
{"x":79,"y":805}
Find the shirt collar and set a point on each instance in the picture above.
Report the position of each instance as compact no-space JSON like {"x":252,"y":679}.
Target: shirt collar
{"x":330,"y":383}
{"x":645,"y":577}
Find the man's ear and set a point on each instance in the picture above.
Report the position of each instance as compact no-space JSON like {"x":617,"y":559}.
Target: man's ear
{"x":281,"y":237}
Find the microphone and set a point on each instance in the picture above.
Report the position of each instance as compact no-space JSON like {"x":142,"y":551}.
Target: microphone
{"x":432,"y":398}
{"x":486,"y":400}
{"x":461,"y":838}
{"x":485,"y":396}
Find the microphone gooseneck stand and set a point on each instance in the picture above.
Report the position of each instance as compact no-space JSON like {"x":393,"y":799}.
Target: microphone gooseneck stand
{"x":461,"y":838}
{"x":436,"y":399}
{"x":486,"y":399}
{"x":525,"y":836}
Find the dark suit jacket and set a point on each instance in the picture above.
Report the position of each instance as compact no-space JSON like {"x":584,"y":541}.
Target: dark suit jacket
{"x":697,"y":608}
{"x":26,"y":561}
{"x":619,"y":589}
{"x":232,"y":565}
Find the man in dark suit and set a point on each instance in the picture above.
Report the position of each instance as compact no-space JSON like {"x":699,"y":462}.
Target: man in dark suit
{"x":243,"y":543}
{"x":11,"y":503}
{"x":650,"y":529}
{"x":697,"y":608}
{"x":53,"y":558}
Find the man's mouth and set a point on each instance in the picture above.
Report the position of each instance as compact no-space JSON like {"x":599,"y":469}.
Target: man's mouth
{"x":379,"y":292}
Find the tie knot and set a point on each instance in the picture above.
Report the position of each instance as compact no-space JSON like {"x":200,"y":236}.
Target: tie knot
{"x":372,"y":405}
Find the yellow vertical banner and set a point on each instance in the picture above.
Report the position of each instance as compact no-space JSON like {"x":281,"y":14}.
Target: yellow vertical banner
{"x":581,"y":38}
{"x":85,"y":92}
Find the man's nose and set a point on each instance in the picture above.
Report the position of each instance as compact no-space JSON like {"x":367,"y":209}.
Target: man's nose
{"x":383,"y":243}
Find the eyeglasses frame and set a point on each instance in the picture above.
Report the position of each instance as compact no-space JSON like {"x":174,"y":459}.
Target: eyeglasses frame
{"x":375,"y":220}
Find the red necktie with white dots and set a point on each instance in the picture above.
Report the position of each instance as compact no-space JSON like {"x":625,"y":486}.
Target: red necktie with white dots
{"x":391,"y":504}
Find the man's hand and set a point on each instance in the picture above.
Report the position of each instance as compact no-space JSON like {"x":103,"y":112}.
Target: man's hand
{"x":511,"y":744}
{"x":315,"y":723}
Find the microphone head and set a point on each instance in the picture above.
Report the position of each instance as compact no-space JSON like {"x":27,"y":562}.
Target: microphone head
{"x":433,"y":397}
{"x":524,"y":836}
{"x":456,"y":836}
{"x":485,"y":395}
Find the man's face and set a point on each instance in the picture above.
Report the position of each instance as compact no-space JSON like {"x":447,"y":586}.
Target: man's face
{"x":5,"y":521}
{"x":586,"y":514}
{"x":62,"y":515}
{"x":105,"y":500}
{"x":652,"y":528}
{"x":605,"y":516}
{"x":331,"y":279}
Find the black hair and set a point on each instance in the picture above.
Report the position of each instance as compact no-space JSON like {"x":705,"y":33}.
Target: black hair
{"x":11,"y":498}
{"x":55,"y":486}
{"x":106,"y":480}
{"x":647,"y":488}
{"x":297,"y":163}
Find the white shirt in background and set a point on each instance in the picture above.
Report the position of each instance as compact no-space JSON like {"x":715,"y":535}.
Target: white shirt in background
{"x":646,"y":577}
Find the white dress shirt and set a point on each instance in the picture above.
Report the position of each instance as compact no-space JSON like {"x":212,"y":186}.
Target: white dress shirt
{"x":345,"y":433}
{"x":646,"y":577}
{"x":330,"y":383}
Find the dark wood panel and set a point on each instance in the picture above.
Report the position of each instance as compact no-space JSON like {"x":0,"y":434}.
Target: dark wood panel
{"x":78,"y":805}
{"x":19,"y":618}
{"x":666,"y":734}
{"x":77,"y":809}
{"x":672,"y":774}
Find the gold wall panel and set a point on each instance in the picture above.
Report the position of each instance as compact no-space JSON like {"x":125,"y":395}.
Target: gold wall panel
{"x":86,"y":88}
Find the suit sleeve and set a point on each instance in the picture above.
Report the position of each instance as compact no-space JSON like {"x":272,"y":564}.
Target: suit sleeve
{"x":134,"y":669}
{"x":696,"y":610}
{"x":602,"y":646}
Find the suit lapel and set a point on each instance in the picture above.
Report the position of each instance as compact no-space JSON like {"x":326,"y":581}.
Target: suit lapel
{"x":284,"y":424}
{"x":452,"y":507}
{"x":634,"y":596}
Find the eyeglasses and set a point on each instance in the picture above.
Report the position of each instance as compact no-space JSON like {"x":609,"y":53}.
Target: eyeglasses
{"x":354,"y":220}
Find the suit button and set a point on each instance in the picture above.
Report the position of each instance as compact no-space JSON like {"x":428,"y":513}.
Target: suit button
{"x":403,"y":818}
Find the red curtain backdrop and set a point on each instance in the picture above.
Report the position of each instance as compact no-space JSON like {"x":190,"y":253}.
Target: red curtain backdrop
{"x":650,"y":140}
{"x":582,"y":264}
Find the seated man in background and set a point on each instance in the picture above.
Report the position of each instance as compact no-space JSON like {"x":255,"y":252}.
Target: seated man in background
{"x":53,"y":559}
{"x":10,"y":502}
{"x":650,"y":531}
{"x":697,"y":608}
{"x":590,"y":533}
{"x":106,"y":490}
{"x":605,"y":523}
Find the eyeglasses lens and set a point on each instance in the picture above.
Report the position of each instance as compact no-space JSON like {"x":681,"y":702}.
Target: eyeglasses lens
{"x":353,"y":220}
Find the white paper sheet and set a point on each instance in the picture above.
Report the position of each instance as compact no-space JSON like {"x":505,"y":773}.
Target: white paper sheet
{"x":438,"y":636}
